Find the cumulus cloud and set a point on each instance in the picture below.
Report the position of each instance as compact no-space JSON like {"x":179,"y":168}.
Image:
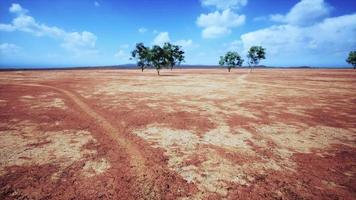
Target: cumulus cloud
{"x":161,"y":38}
{"x":225,"y":4}
{"x":142,"y":30}
{"x":218,"y":24}
{"x":330,"y":36}
{"x":17,"y":9}
{"x":8,"y":48}
{"x":122,"y":55}
{"x":76,"y":42}
{"x":304,"y":12}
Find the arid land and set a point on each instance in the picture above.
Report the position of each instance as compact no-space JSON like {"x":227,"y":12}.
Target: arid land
{"x":187,"y":134}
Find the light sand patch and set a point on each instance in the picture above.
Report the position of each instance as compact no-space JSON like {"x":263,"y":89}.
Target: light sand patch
{"x":92,"y":168}
{"x":44,"y":101}
{"x":305,"y":139}
{"x":3,"y":102}
{"x":213,"y":173}
{"x":28,"y":97}
{"x":234,"y":141}
{"x":162,"y":107}
{"x":188,"y":85}
{"x":24,"y":145}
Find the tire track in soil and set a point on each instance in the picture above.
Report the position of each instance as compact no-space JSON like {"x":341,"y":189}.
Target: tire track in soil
{"x":144,"y":176}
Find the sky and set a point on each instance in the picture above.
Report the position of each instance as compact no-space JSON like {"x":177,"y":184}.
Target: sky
{"x":58,"y":33}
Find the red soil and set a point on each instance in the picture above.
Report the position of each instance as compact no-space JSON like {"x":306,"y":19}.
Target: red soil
{"x":200,"y":134}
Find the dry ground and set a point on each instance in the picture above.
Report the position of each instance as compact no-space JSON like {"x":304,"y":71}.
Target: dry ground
{"x":188,"y":134}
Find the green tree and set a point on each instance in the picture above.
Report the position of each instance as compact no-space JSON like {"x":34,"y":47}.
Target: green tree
{"x":158,"y":58}
{"x":231,"y":60}
{"x":255,"y":55}
{"x":173,"y":54}
{"x":352,"y":59}
{"x":143,"y":56}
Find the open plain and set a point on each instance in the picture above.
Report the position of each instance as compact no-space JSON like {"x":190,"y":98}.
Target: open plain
{"x":187,"y":134}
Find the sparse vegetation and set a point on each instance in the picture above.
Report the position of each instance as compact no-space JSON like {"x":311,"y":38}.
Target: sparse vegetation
{"x":158,"y":57}
{"x":142,"y":55}
{"x":352,"y":59}
{"x":231,"y":60}
{"x":173,"y":54}
{"x":255,"y":55}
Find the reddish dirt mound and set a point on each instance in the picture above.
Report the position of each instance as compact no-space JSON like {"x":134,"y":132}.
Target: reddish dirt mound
{"x":195,"y":134}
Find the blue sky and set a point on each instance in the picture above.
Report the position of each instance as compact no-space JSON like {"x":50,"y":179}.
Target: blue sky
{"x":37,"y":33}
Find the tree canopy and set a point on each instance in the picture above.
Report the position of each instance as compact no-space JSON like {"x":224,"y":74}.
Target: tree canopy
{"x":158,"y":57}
{"x":351,"y":59}
{"x":173,"y":54}
{"x":255,"y":55}
{"x":231,"y":60}
{"x":143,"y":56}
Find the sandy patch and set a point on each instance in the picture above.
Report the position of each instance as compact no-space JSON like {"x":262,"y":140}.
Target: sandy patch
{"x":44,"y":101}
{"x":3,"y":102}
{"x":212,"y":173}
{"x":92,"y":168}
{"x":305,"y":139}
{"x":24,"y":145}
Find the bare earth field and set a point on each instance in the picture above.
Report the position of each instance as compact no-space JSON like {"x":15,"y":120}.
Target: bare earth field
{"x":188,"y":134}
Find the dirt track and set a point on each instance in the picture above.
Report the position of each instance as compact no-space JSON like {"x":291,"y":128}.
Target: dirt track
{"x":189,"y":134}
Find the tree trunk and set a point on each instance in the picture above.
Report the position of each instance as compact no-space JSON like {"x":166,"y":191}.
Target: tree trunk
{"x":251,"y":68}
{"x":229,"y":69}
{"x":158,"y":72}
{"x":142,"y":69}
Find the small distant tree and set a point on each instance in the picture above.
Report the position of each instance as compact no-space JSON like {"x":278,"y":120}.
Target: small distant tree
{"x":173,"y":54}
{"x":231,"y":60}
{"x":143,"y":56}
{"x":255,"y":55}
{"x":158,"y":58}
{"x":352,"y":59}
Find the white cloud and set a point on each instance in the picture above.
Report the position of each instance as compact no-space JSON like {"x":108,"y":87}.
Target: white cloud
{"x":277,"y":18}
{"x":218,"y":24}
{"x":142,"y":30}
{"x":77,"y":42}
{"x":7,"y":27}
{"x":7,"y":48}
{"x":123,"y":56}
{"x":161,"y":38}
{"x":329,"y":37}
{"x":225,"y":4}
{"x":96,"y":4}
{"x":17,"y":9}
{"x":187,"y":45}
{"x":215,"y":32}
{"x":304,"y":12}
